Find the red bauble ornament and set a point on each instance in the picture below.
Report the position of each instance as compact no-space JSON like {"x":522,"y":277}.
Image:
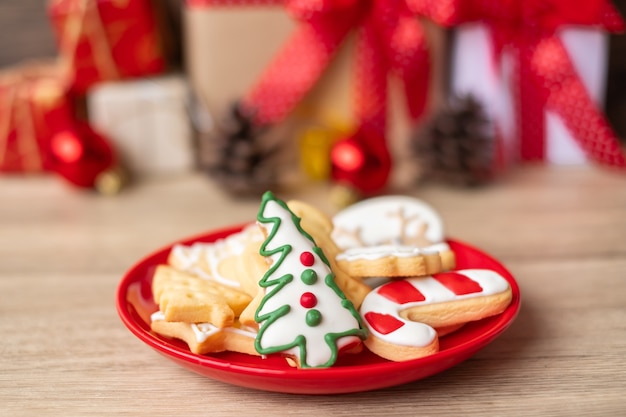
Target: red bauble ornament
{"x":66,"y":147}
{"x":361,"y":161}
{"x":80,"y":155}
{"x":348,"y":156}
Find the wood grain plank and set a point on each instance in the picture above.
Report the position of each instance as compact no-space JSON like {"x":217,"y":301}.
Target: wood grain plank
{"x":64,"y":351}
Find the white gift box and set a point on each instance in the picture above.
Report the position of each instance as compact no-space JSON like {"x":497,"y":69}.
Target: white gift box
{"x":474,"y":70}
{"x":148,"y":122}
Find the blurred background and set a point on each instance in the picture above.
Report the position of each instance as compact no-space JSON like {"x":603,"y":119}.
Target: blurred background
{"x":27,"y":30}
{"x":191,"y":88}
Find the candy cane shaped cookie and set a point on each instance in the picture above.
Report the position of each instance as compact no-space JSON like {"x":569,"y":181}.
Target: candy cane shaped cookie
{"x":401,"y":315}
{"x":395,"y":338}
{"x":391,"y":236}
{"x":452,"y":298}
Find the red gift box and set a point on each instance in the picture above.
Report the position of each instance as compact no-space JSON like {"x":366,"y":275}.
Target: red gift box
{"x":33,"y":107}
{"x":39,"y":131}
{"x":106,"y":40}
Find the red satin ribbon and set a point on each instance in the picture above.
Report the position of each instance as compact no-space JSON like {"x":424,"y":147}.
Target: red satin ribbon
{"x":547,"y":77}
{"x":389,"y":39}
{"x":229,"y":3}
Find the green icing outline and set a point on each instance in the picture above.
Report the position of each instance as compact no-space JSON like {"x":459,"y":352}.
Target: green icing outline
{"x":268,"y":319}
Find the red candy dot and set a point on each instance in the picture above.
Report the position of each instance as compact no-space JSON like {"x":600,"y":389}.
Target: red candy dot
{"x":308,"y":300}
{"x":307,"y":259}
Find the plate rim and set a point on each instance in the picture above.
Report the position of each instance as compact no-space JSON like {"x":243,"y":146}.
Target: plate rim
{"x":130,"y":276}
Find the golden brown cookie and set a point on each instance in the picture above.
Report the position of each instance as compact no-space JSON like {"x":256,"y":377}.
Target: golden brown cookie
{"x":188,"y":298}
{"x":203,"y":338}
{"x":391,"y":236}
{"x":427,"y":345}
{"x":218,"y":261}
{"x":255,"y":266}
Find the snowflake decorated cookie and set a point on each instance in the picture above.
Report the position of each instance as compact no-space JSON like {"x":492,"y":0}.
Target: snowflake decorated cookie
{"x":219,"y":261}
{"x":303,"y":314}
{"x":391,"y":236}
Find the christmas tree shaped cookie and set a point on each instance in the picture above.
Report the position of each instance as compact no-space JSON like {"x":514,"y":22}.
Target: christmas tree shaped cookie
{"x":303,"y":314}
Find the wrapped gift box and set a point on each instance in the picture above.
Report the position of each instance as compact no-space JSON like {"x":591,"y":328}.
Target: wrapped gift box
{"x":148,"y":122}
{"x":33,"y":107}
{"x":223,"y":72}
{"x":540,"y":70}
{"x":475,"y":71}
{"x":102,"y":40}
{"x":228,"y":47}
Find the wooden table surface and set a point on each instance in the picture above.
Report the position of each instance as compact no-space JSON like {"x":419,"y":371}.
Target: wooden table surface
{"x":64,"y":351}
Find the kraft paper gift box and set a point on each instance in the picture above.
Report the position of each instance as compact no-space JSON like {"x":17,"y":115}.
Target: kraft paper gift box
{"x":148,"y":122}
{"x":229,"y":46}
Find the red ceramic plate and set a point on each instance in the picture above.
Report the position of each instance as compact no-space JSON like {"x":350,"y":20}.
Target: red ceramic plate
{"x":353,"y":373}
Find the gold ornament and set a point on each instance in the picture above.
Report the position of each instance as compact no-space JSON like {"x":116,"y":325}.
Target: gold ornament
{"x":111,"y":181}
{"x":342,"y":196}
{"x":315,"y":145}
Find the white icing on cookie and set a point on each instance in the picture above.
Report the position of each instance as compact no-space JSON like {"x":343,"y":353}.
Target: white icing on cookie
{"x":190,"y":258}
{"x":203,"y":331}
{"x":397,"y":226}
{"x":382,"y":251}
{"x":408,"y":333}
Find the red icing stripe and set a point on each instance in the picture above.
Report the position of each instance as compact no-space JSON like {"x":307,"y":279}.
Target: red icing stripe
{"x":383,"y":323}
{"x":457,"y":283}
{"x":401,"y":292}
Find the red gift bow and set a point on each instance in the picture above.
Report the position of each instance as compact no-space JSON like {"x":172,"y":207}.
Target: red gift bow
{"x":390,"y":39}
{"x":530,"y":28}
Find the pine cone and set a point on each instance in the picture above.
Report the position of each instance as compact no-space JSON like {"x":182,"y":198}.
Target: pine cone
{"x":457,"y":146}
{"x":237,"y":158}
